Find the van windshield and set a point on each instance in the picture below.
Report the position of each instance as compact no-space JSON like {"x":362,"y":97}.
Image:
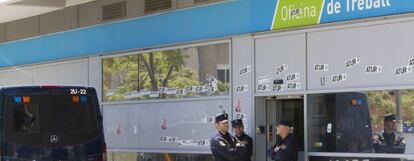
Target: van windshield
{"x":42,"y":113}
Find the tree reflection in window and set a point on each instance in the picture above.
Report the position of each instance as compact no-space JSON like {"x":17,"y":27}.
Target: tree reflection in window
{"x":179,"y":73}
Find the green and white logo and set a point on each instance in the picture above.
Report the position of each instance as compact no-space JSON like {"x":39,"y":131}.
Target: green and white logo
{"x":294,"y":13}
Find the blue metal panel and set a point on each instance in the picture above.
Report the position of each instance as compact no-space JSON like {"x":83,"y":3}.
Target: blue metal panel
{"x":351,"y":9}
{"x":214,"y":21}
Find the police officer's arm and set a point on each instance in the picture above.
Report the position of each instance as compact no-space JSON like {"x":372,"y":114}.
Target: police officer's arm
{"x":378,"y":145}
{"x":250,"y":147}
{"x":399,"y":147}
{"x":224,"y":150}
{"x":284,"y":151}
{"x":270,"y":152}
{"x":380,"y":148}
{"x":246,"y":148}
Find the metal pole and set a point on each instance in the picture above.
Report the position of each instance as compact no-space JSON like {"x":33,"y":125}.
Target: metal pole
{"x":398,"y":103}
{"x":398,"y":113}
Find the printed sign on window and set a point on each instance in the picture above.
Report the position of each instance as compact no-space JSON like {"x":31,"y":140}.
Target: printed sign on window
{"x":373,"y":69}
{"x":281,"y":69}
{"x":242,"y":88}
{"x":292,"y":77}
{"x":320,"y":67}
{"x":352,"y":62}
{"x":293,"y":86}
{"x":263,"y":87}
{"x":339,"y":78}
{"x":245,"y":70}
{"x":279,"y":88}
{"x":403,"y":70}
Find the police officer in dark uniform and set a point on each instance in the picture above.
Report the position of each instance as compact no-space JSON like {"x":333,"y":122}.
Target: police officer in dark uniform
{"x":224,"y":146}
{"x":388,"y":140}
{"x":245,"y":139}
{"x":286,"y":149}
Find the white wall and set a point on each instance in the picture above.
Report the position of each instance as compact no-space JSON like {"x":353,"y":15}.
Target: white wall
{"x":64,"y":73}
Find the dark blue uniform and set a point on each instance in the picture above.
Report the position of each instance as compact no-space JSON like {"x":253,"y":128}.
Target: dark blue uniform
{"x":286,"y":150}
{"x":224,"y":148}
{"x":248,"y":142}
{"x":389,"y":143}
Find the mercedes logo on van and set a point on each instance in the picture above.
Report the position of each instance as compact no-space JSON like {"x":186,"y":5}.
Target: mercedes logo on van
{"x":54,"y":139}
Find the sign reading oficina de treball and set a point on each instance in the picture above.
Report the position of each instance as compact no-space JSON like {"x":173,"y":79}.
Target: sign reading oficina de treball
{"x":296,"y":13}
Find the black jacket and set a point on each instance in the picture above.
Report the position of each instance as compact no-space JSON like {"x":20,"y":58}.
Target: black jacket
{"x":224,"y":148}
{"x":286,"y":150}
{"x":248,"y":142}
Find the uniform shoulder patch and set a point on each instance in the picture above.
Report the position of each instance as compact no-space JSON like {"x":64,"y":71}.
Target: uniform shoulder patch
{"x":221,"y":143}
{"x":404,"y":141}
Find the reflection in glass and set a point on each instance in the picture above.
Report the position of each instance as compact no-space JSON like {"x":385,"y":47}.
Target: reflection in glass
{"x":362,"y":122}
{"x":25,"y":119}
{"x":317,"y":158}
{"x":131,"y":156}
{"x":179,"y":73}
{"x":389,"y":140}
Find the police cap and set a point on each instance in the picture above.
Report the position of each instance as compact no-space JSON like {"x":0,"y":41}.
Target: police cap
{"x":390,"y":117}
{"x":285,"y":122}
{"x":237,"y":122}
{"x":221,"y":117}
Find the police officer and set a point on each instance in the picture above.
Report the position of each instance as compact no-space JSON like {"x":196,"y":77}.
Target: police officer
{"x":245,"y":139}
{"x":286,"y":149}
{"x":224,"y":146}
{"x":388,"y":140}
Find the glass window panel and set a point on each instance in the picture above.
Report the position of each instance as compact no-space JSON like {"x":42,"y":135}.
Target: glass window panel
{"x":179,"y":73}
{"x":131,"y":156}
{"x":362,"y":122}
{"x":317,"y":158}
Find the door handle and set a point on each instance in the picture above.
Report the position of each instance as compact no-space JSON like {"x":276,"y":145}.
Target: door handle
{"x":269,"y":133}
